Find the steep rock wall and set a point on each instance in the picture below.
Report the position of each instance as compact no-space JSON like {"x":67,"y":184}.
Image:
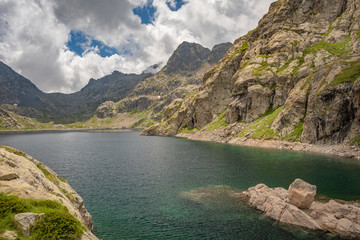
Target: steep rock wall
{"x":304,"y":57}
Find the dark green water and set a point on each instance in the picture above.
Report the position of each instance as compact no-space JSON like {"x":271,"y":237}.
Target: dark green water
{"x":131,"y":184}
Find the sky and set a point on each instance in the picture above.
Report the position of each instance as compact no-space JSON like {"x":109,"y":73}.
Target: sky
{"x":60,"y":44}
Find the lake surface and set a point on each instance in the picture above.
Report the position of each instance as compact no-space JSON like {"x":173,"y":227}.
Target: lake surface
{"x":131,"y":183}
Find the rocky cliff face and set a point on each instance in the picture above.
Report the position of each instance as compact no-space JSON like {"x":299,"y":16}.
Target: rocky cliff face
{"x":25,"y":177}
{"x":299,"y":70}
{"x":182,"y":74}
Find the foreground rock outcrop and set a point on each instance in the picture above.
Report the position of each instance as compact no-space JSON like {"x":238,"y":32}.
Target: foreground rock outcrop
{"x":339,"y":218}
{"x":295,"y":77}
{"x":282,"y":205}
{"x":25,"y":177}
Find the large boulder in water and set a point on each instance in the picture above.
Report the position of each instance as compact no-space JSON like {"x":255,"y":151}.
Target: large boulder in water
{"x":340,"y":218}
{"x":273,"y":202}
{"x":301,"y":194}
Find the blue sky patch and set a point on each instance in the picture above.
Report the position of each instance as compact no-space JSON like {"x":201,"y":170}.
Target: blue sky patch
{"x":146,"y":12}
{"x":80,"y":42}
{"x":178,"y":5}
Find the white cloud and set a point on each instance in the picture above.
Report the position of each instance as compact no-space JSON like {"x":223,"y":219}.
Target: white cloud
{"x":34,"y":33}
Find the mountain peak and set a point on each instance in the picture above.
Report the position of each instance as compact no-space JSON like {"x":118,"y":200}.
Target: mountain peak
{"x":190,"y":57}
{"x":187,"y":58}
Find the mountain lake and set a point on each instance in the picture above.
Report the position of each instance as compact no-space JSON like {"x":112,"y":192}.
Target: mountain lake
{"x":132,"y":184}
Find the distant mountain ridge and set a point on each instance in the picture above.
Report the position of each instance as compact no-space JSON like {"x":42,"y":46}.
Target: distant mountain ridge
{"x":23,"y":97}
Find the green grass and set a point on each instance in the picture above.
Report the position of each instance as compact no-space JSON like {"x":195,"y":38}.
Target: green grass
{"x":134,"y":111}
{"x":260,"y":128}
{"x":243,"y":48}
{"x":68,"y":195}
{"x":159,"y":115}
{"x":337,"y":49}
{"x":285,"y":66}
{"x":53,"y":179}
{"x":358,"y":33}
{"x":220,"y":122}
{"x":258,"y":71}
{"x":11,"y":204}
{"x":57,"y":222}
{"x":295,"y":136}
{"x":356,"y":141}
{"x":47,"y":174}
{"x":187,"y":130}
{"x":349,"y":74}
{"x":14,"y":151}
{"x":330,"y":30}
{"x":146,"y":122}
{"x":138,"y":123}
{"x":62,"y":179}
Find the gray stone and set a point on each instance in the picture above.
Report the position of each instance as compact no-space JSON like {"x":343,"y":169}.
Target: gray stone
{"x":26,"y":220}
{"x":10,"y":235}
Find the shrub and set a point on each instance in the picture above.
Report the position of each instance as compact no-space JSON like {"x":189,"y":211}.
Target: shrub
{"x":57,"y":225}
{"x":11,"y":204}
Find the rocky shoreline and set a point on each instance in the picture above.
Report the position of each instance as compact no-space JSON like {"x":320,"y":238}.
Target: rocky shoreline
{"x":24,"y":177}
{"x":339,"y":150}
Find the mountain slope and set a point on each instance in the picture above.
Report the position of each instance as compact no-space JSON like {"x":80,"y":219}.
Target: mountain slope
{"x":18,"y":94}
{"x":182,"y":74}
{"x":295,"y":77}
{"x":17,"y":90}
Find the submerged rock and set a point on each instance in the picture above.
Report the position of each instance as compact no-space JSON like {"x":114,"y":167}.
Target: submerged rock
{"x":212,"y":194}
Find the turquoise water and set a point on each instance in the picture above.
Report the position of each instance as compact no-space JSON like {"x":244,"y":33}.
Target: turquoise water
{"x":131,"y":183}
